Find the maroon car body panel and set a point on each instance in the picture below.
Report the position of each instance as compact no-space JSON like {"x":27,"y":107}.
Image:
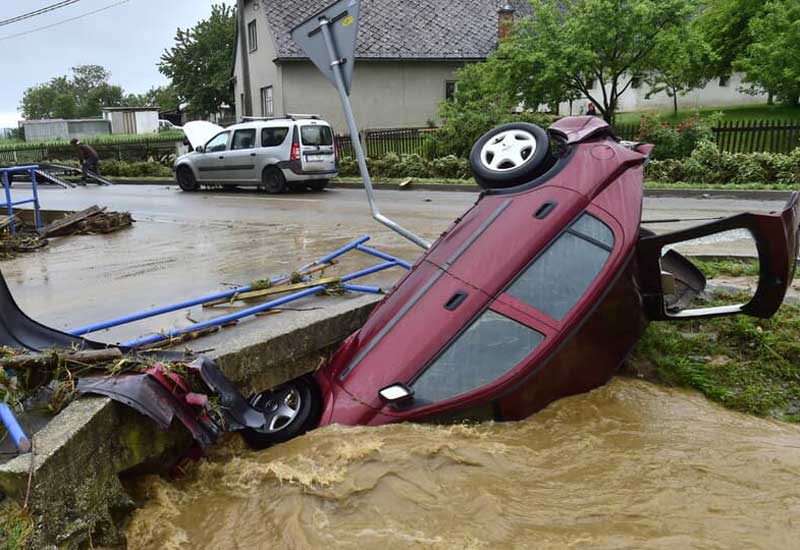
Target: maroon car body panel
{"x":480,"y":256}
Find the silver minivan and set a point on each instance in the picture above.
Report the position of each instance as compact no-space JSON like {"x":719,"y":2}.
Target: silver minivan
{"x":275,"y":154}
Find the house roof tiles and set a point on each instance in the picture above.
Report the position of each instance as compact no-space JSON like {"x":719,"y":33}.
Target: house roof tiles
{"x":403,"y":29}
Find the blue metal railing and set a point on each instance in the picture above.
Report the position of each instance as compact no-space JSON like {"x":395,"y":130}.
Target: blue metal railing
{"x":9,"y":204}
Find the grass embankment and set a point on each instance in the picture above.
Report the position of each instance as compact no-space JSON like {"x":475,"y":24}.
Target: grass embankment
{"x":726,"y":114}
{"x":746,"y":364}
{"x":16,"y":526}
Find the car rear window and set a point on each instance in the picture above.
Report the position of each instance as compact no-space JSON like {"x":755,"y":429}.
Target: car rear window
{"x":557,"y":280}
{"x":316,"y":135}
{"x":489,"y":349}
{"x":243,"y":139}
{"x":272,"y":137}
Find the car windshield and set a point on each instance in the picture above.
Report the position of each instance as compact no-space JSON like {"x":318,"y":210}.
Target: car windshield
{"x":316,"y":135}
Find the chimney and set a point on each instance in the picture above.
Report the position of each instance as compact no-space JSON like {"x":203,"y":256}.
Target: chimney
{"x":505,"y":21}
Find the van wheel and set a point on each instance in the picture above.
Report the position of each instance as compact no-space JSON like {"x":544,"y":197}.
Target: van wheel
{"x":318,"y":185}
{"x":510,"y":155}
{"x":290,"y":411}
{"x":186,"y":180}
{"x":273,"y":181}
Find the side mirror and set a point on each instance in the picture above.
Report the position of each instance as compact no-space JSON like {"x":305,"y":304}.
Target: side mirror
{"x":397,"y":394}
{"x":200,"y":149}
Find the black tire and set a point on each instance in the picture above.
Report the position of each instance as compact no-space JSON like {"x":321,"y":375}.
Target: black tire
{"x":283,"y":427}
{"x":186,"y":180}
{"x":528,"y":154}
{"x":318,"y":185}
{"x":273,"y":181}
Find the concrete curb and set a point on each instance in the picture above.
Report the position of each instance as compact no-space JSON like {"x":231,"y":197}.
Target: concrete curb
{"x":700,"y":193}
{"x":76,"y":495}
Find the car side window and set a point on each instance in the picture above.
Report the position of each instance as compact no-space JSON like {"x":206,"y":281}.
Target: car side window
{"x":219,"y":143}
{"x":273,"y":137}
{"x":557,"y":279}
{"x":489,"y":349}
{"x":243,"y":139}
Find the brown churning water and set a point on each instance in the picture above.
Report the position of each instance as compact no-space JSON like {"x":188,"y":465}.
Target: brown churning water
{"x":630,"y":465}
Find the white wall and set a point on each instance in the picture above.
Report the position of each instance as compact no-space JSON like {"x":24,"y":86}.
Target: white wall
{"x":263,"y":71}
{"x":146,"y":122}
{"x":712,"y":95}
{"x":385,"y":94}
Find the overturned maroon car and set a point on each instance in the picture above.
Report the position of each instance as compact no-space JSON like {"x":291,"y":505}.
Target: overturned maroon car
{"x":537,"y":293}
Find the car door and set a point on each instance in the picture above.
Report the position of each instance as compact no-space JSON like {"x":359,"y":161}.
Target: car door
{"x":210,"y":163}
{"x":240,"y":160}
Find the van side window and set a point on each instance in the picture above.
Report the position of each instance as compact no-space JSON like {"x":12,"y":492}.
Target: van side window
{"x":488,"y":350}
{"x":272,"y":137}
{"x":557,"y":279}
{"x":244,"y":139}
{"x":219,"y":143}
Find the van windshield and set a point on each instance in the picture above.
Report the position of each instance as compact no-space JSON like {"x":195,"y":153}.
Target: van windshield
{"x":316,"y":135}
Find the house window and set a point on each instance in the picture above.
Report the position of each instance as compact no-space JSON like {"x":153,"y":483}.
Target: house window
{"x":724,"y":81}
{"x":450,"y":89}
{"x":252,"y":36}
{"x":636,"y":82}
{"x":267,"y":101}
{"x":558,"y":278}
{"x":488,"y":350}
{"x":590,"y":84}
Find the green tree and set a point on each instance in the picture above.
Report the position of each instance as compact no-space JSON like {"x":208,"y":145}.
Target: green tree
{"x":82,"y":95}
{"x":771,"y":62}
{"x":163,"y":97}
{"x":680,"y":63}
{"x":725,"y":25}
{"x":569,"y":45}
{"x":199,"y":64}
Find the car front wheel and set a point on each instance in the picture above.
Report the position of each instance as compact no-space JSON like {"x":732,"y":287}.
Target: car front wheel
{"x":510,"y":155}
{"x":289,"y":411}
{"x":186,"y":180}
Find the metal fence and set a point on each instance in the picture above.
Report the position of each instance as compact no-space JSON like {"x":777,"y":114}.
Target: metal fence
{"x":742,"y":136}
{"x":379,"y":143}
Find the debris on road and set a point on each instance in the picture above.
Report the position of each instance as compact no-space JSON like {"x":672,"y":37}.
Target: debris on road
{"x":93,"y":220}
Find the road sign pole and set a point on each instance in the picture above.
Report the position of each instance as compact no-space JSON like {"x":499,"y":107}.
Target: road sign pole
{"x":338,"y":80}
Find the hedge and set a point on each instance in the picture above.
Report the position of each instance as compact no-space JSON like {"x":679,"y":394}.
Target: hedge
{"x":409,"y":166}
{"x":707,"y":164}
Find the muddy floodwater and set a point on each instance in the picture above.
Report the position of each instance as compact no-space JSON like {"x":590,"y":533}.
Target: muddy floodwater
{"x":631,"y":465}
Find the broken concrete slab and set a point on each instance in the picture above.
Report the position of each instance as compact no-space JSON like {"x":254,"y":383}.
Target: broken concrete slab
{"x":76,"y":494}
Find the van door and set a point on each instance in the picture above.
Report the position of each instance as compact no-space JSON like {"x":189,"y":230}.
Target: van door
{"x":240,"y":161}
{"x":316,"y":147}
{"x":210,"y":162}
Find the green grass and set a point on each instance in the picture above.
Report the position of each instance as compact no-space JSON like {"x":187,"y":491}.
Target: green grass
{"x":746,"y":364}
{"x":744,"y":113}
{"x":16,"y":526}
{"x":731,"y":267}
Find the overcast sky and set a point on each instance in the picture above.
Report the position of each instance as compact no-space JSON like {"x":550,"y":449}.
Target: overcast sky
{"x":127,"y":40}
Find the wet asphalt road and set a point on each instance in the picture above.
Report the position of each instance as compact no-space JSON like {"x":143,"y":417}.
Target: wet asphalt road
{"x":185,"y":245}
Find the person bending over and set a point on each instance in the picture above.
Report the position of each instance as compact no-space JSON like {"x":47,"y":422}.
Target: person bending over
{"x":90,"y":162}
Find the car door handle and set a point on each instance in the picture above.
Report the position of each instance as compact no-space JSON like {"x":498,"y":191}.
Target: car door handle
{"x":221,"y":158}
{"x":252,"y":154}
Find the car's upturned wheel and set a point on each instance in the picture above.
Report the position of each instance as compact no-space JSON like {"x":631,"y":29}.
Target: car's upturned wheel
{"x":510,"y":155}
{"x":317,"y":185}
{"x":273,"y":181}
{"x":290,"y":411}
{"x":186,"y":179}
